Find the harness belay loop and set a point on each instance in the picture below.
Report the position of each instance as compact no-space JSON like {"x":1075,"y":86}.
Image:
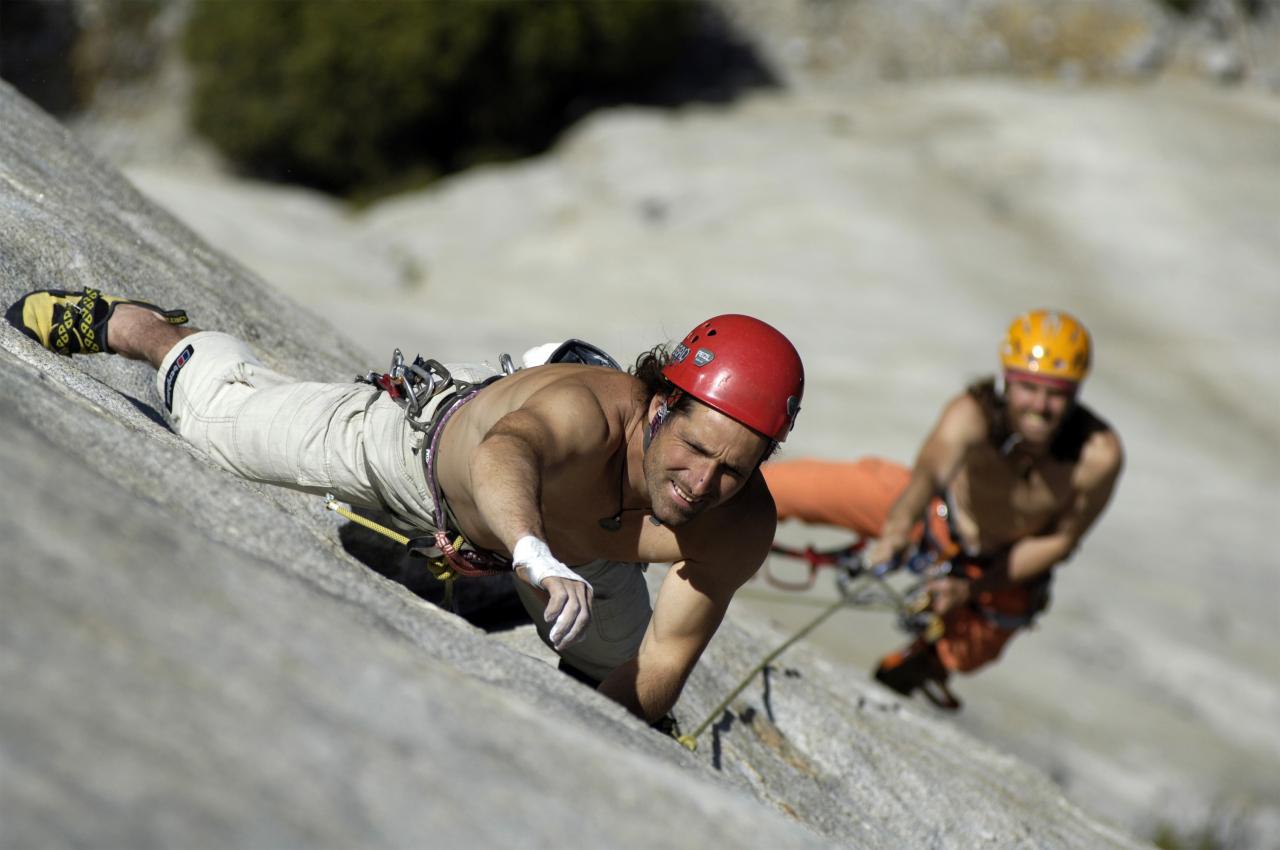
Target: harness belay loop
{"x":445,"y":555}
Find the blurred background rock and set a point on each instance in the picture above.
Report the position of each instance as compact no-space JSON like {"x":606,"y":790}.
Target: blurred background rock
{"x":363,"y":97}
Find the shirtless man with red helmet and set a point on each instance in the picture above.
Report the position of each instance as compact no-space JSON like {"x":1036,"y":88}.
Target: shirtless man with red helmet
{"x":577,"y":475}
{"x":1020,"y":469}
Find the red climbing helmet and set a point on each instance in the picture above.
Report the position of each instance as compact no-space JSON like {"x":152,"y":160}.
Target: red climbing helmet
{"x":745,"y":369}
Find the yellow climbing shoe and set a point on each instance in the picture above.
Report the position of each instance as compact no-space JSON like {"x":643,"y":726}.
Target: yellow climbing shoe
{"x":74,"y":322}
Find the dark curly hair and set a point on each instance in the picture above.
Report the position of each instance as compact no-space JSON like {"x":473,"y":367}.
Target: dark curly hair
{"x":648,"y":368}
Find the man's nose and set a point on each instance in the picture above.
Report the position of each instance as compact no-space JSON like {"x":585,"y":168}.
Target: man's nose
{"x":704,"y":478}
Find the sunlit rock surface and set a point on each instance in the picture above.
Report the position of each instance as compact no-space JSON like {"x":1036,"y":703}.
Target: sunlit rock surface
{"x":893,"y":230}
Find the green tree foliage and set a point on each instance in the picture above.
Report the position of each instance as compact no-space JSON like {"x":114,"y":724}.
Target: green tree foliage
{"x":352,"y":95}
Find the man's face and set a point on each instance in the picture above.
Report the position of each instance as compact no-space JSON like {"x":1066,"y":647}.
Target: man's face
{"x":698,"y":459}
{"x":1036,"y":409}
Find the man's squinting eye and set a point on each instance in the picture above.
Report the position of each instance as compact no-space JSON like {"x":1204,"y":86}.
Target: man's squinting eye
{"x":703,"y":451}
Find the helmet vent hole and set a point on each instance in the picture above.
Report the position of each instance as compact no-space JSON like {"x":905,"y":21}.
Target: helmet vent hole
{"x":694,"y":339}
{"x":711,"y":332}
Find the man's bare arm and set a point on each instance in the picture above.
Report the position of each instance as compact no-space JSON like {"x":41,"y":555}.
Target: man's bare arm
{"x":960,"y":427}
{"x":690,"y":606}
{"x":506,"y":475}
{"x":684,"y":620}
{"x":1094,"y":482}
{"x":507,"y":469}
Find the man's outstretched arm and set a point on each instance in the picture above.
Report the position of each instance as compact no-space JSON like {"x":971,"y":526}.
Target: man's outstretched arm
{"x":960,"y":427}
{"x":507,"y":469}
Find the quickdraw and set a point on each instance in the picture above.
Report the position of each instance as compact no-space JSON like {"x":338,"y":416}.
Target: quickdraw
{"x":911,"y":605}
{"x":412,"y":385}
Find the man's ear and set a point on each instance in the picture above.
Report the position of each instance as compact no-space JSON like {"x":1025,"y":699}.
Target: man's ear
{"x":658,"y":412}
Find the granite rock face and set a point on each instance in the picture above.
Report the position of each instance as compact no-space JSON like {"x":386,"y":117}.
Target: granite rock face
{"x":192,"y":660}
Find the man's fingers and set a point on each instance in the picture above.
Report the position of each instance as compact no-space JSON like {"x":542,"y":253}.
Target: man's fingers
{"x":556,"y":602}
{"x":562,"y":633}
{"x":572,"y":601}
{"x":578,"y":629}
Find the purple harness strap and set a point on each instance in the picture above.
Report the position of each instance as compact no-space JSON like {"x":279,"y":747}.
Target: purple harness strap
{"x":467,"y":562}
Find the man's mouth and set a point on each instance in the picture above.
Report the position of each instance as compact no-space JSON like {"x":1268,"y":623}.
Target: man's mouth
{"x":684,"y":499}
{"x":1034,"y":423}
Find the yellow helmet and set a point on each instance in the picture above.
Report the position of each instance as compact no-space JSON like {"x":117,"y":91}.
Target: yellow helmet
{"x":1047,"y":344}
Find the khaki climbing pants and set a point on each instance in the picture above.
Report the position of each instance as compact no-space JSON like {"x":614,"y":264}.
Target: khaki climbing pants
{"x":353,"y":441}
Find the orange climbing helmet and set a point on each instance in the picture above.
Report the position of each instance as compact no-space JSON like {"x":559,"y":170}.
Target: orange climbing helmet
{"x":1047,"y":346}
{"x":744,"y":368}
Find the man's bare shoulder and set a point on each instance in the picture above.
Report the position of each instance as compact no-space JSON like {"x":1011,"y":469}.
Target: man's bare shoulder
{"x":588,"y":396}
{"x":1089,"y":444}
{"x":1101,"y":459}
{"x":962,"y":422}
{"x":575,"y":382}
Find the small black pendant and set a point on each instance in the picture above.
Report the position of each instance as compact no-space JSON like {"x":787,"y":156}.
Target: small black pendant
{"x":611,"y":523}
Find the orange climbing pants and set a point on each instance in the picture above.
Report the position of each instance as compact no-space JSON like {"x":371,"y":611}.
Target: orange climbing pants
{"x":857,"y":495}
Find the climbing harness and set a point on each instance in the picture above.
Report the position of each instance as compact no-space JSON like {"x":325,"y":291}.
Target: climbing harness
{"x":867,"y":587}
{"x":413,"y":386}
{"x":468,"y":562}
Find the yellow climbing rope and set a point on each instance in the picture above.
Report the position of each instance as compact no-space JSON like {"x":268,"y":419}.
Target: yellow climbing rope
{"x":333,"y":505}
{"x":439,"y":566}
